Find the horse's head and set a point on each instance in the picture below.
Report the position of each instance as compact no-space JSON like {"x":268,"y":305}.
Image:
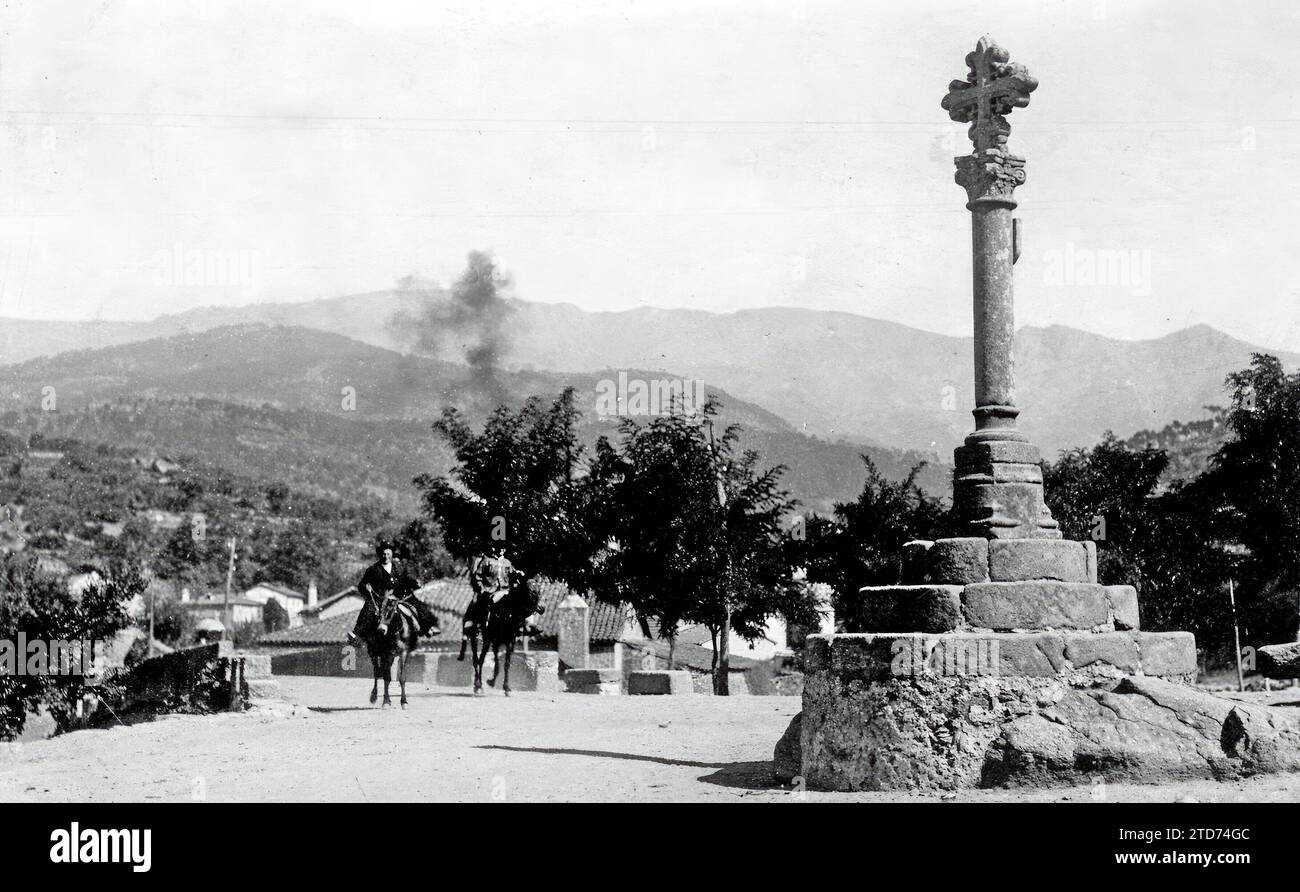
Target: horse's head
{"x":387,"y":612}
{"x":530,"y":600}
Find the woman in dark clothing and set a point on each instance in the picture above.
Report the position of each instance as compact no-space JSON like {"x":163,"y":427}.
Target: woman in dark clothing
{"x":382,"y":577}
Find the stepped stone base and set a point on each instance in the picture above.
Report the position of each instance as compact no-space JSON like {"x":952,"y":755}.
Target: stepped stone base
{"x":1075,"y":657}
{"x":934,"y":732}
{"x":1039,"y":604}
{"x":1002,"y":661}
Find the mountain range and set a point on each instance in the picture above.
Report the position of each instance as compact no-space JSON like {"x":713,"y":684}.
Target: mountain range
{"x":836,"y":376}
{"x":324,"y":412}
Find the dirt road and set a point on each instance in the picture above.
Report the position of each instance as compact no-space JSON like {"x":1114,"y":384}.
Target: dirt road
{"x":451,"y":746}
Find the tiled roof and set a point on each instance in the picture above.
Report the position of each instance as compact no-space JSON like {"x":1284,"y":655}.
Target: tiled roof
{"x":332,"y":630}
{"x":449,"y":598}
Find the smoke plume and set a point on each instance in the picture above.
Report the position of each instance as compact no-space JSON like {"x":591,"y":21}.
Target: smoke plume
{"x":468,"y":320}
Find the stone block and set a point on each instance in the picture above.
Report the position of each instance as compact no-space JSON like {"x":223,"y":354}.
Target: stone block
{"x":916,"y":564}
{"x":1090,"y":548}
{"x":660,"y":681}
{"x":1030,"y":656}
{"x":958,"y":561}
{"x":1016,"y":473}
{"x":1018,"y":560}
{"x":1123,"y":601}
{"x":996,"y":452}
{"x":1116,"y":649}
{"x":869,"y":659}
{"x":908,"y":608}
{"x":1167,"y":653}
{"x":593,"y":681}
{"x":1280,"y":660}
{"x":1035,"y":605}
{"x":544,"y":667}
{"x":1002,"y":510}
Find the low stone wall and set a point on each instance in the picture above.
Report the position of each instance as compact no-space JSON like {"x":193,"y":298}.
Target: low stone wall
{"x":345,"y":661}
{"x":659,"y":681}
{"x":537,"y":670}
{"x":593,"y":681}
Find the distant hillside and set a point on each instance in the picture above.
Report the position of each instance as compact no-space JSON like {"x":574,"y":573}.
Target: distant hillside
{"x":1189,"y":446}
{"x":339,"y":415}
{"x":833,"y":375}
{"x":86,"y":502}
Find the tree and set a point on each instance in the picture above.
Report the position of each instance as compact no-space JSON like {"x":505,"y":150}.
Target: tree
{"x":516,"y":484}
{"x":1103,"y":494}
{"x":38,"y":605}
{"x":1251,"y":495}
{"x":862,"y":543}
{"x":695,"y":531}
{"x":274,"y":617}
{"x":419,"y":543}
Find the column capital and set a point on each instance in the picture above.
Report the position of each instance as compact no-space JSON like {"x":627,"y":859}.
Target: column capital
{"x":990,"y":177}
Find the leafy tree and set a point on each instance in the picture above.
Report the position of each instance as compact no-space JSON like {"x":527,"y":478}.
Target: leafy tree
{"x":38,"y":604}
{"x":695,"y":530}
{"x":274,"y":617}
{"x":1251,"y":495}
{"x":173,"y":623}
{"x":1104,"y":494}
{"x":419,"y":543}
{"x":862,"y":543}
{"x":516,"y":484}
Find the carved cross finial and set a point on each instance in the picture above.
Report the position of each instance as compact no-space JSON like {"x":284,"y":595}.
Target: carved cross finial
{"x":991,"y":90}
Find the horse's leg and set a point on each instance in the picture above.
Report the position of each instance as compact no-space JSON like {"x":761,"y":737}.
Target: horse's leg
{"x":478,"y":660}
{"x":510,"y":652}
{"x":496,"y":662}
{"x":401,"y":673}
{"x":388,"y":677}
{"x":374,"y":688}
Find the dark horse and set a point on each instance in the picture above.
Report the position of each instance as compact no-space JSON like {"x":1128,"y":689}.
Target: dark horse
{"x":505,"y":622}
{"x":395,"y":634}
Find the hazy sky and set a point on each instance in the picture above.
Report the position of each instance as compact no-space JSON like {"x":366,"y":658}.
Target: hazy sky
{"x":719,"y":155}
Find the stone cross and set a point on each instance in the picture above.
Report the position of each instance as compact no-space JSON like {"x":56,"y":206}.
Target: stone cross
{"x":997,"y":488}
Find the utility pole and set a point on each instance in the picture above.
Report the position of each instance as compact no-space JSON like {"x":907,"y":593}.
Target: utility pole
{"x":1236,"y":633}
{"x":230,"y":580}
{"x":722,"y":680}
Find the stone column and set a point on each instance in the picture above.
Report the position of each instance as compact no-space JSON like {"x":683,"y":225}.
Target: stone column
{"x":997,"y":488}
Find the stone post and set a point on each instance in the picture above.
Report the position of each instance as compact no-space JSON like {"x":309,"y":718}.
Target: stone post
{"x":574,"y":632}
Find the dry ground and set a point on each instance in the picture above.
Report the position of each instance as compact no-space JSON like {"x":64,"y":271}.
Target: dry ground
{"x":451,"y":746}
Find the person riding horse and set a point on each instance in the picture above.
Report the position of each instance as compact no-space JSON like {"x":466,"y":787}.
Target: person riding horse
{"x":384,"y":577}
{"x":490,"y":577}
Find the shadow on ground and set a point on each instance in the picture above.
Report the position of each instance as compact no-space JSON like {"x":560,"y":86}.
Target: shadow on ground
{"x":736,"y":775}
